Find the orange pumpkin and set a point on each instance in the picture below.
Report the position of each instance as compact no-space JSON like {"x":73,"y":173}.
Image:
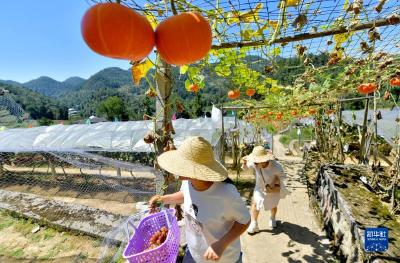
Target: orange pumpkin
{"x":395,"y":81}
{"x":366,"y":88}
{"x":279,"y":117}
{"x":184,"y":38}
{"x":194,"y":88}
{"x":117,"y":31}
{"x":312,"y":111}
{"x":294,"y":113}
{"x":233,"y":94}
{"x":250,"y":92}
{"x":270,"y":113}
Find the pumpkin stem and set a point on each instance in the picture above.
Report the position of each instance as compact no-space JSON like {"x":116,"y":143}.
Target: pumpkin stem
{"x":173,"y":8}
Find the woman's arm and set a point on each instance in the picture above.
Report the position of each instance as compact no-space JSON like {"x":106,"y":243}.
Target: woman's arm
{"x":171,"y":199}
{"x":216,"y":249}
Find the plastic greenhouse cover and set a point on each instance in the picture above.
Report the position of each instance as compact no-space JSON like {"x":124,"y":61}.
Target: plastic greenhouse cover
{"x":104,"y":136}
{"x":387,"y":127}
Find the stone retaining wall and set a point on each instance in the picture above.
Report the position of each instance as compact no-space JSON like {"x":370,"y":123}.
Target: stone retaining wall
{"x":337,"y":219}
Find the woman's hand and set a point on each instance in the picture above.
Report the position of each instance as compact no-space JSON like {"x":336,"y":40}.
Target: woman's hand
{"x":215,"y":251}
{"x":154,"y":202}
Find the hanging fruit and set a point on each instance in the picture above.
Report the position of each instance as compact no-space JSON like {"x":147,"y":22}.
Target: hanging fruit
{"x":151,"y":93}
{"x":194,"y":88}
{"x":312,"y":111}
{"x":117,"y":31}
{"x":233,"y":94}
{"x":279,"y":116}
{"x":183,"y":39}
{"x":366,"y":88}
{"x":250,"y":92}
{"x":294,"y":113}
{"x":387,"y":95}
{"x":270,"y":113}
{"x":395,"y":81}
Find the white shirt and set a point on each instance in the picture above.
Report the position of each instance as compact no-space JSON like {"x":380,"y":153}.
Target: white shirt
{"x":209,"y":215}
{"x":273,"y":170}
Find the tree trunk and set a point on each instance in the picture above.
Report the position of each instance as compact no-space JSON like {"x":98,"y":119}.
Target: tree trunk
{"x":163,"y":124}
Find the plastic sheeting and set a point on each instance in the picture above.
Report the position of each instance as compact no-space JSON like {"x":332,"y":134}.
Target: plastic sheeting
{"x":104,"y":136}
{"x":387,"y":127}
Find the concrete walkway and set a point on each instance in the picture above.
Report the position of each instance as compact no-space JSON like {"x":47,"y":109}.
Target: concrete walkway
{"x":297,"y":237}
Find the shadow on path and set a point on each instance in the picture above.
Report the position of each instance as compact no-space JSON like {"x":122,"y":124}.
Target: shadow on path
{"x":302,"y":235}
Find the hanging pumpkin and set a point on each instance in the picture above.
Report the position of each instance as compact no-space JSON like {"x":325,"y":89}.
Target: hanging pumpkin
{"x":250,"y":92}
{"x":270,"y":113}
{"x":294,"y":113}
{"x":194,"y":88}
{"x":279,"y":116}
{"x":395,"y":81}
{"x":366,"y":88}
{"x":117,"y":31}
{"x":312,"y":111}
{"x":233,"y":94}
{"x":183,"y":39}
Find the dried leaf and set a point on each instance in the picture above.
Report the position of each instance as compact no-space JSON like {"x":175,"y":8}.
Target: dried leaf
{"x":140,"y":70}
{"x":300,"y":22}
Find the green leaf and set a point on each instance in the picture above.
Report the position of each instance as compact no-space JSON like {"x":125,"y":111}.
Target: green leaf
{"x":187,"y":84}
{"x":275,"y":51}
{"x":183,"y":69}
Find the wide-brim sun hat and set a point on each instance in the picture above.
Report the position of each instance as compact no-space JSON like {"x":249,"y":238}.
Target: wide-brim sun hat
{"x":259,"y":155}
{"x":194,"y":159}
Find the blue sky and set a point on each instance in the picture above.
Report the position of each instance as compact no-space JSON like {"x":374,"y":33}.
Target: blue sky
{"x":43,"y":38}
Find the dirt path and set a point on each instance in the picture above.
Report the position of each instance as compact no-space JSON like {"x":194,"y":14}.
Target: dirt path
{"x":297,"y":237}
{"x":279,"y":150}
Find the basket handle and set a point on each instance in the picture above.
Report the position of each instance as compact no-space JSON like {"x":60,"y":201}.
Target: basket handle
{"x":127,"y":231}
{"x":166,"y":217}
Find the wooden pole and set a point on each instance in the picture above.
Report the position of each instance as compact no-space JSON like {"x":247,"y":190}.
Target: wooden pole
{"x":163,"y":107}
{"x":304,"y":36}
{"x":222,"y":135}
{"x":363,"y":132}
{"x":163,"y":124}
{"x":340,"y":106}
{"x":375,"y":135}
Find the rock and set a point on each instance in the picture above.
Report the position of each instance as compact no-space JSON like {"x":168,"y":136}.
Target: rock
{"x":35,"y":229}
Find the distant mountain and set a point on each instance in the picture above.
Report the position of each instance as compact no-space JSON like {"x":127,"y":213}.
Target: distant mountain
{"x":109,"y":78}
{"x":46,"y":86}
{"x":74,"y":82}
{"x":53,"y":88}
{"x":10,"y":82}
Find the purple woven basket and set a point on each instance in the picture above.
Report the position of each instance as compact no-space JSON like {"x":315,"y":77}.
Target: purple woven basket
{"x":167,"y":252}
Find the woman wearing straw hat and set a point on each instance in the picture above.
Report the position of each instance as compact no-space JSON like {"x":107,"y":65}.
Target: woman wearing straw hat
{"x":269,"y":188}
{"x":215,"y":214}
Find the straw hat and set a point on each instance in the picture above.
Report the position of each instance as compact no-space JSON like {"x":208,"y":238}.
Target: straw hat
{"x":259,"y":155}
{"x":193,"y":159}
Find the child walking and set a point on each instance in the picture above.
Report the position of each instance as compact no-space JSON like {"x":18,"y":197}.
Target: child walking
{"x":269,"y":188}
{"x":215,"y":215}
